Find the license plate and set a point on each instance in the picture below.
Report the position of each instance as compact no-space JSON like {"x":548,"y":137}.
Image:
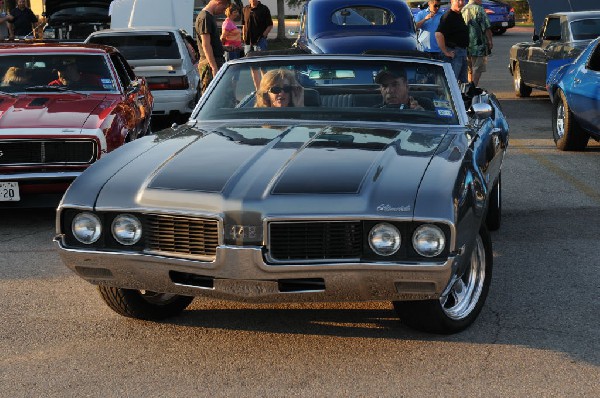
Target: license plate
{"x":504,"y":23}
{"x":9,"y":192}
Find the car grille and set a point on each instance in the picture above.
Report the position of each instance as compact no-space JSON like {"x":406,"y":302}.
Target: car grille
{"x":182,"y":236}
{"x":47,"y":152}
{"x":315,"y":240}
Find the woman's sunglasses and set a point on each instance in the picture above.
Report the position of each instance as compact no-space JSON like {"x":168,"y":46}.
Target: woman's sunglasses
{"x":277,"y":89}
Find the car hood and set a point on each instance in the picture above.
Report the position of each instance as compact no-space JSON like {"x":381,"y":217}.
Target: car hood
{"x":52,"y":111}
{"x":341,"y":43}
{"x":268,"y":171}
{"x":541,"y":8}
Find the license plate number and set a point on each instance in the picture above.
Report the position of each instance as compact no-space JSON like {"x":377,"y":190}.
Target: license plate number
{"x":504,"y":23}
{"x":9,"y":192}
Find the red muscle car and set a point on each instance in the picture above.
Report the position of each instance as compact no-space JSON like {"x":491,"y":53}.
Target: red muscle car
{"x":62,"y":107}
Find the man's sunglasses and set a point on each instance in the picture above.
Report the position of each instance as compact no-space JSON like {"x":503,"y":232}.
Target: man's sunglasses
{"x":437,"y":5}
{"x":277,"y":89}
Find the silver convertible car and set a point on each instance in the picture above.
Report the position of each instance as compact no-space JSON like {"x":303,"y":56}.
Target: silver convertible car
{"x":302,"y":178}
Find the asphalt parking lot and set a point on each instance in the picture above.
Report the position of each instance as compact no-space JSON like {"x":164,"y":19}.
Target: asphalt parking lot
{"x":538,"y":334}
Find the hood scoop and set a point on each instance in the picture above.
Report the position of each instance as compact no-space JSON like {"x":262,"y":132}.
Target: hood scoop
{"x":37,"y":102}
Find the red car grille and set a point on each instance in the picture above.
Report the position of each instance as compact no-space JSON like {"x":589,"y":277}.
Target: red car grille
{"x":47,"y":152}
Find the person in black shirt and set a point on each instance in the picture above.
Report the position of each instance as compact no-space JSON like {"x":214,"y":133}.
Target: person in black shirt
{"x":22,"y":20}
{"x":256,"y":25}
{"x":452,"y":36}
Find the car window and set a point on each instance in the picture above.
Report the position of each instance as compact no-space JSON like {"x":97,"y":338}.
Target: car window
{"x":329,"y":90}
{"x":141,"y":46}
{"x":585,"y":29}
{"x":121,"y":72}
{"x":552,"y":29}
{"x":45,"y":72}
{"x":594,"y":60}
{"x":362,"y":15}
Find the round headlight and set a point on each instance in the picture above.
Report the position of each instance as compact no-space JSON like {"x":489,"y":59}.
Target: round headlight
{"x":126,"y":229}
{"x":384,"y":239}
{"x":429,"y":240}
{"x":86,"y":228}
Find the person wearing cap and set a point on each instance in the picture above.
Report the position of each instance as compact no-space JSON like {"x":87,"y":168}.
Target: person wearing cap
{"x":69,"y":75}
{"x":394,"y":89}
{"x":452,"y":36}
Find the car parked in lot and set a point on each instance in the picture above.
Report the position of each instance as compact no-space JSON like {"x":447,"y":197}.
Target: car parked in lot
{"x":562,"y":38}
{"x":353,"y":27}
{"x":166,"y":58}
{"x":333,"y":199}
{"x":500,"y":14}
{"x":72,"y":20}
{"x":51,"y":128}
{"x":573,"y":89}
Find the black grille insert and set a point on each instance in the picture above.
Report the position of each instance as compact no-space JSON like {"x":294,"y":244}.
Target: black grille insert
{"x":315,"y":240}
{"x":182,"y":236}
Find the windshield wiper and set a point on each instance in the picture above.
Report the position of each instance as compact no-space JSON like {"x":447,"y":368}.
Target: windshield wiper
{"x":54,"y":88}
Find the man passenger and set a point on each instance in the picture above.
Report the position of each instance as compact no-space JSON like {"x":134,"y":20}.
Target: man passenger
{"x":393,"y":85}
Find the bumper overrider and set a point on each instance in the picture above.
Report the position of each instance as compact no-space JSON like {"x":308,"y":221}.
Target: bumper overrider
{"x":249,"y":273}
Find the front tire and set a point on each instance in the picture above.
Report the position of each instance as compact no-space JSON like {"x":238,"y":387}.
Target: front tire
{"x":494,"y":213}
{"x":521,"y":90}
{"x":567,"y":134}
{"x":498,"y":31}
{"x":459,"y":308}
{"x":143,"y":304}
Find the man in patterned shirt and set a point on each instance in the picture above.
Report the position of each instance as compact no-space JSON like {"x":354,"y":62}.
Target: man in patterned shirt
{"x":480,"y":39}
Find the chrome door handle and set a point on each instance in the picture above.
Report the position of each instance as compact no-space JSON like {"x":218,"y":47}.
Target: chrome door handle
{"x":576,"y":81}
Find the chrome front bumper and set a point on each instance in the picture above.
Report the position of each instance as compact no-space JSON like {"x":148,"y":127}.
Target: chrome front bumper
{"x":240,"y":273}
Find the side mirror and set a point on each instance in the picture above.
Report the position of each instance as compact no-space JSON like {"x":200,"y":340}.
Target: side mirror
{"x":480,"y":111}
{"x":133,"y":88}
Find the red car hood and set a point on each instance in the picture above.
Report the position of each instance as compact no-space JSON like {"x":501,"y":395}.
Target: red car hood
{"x":53,"y":111}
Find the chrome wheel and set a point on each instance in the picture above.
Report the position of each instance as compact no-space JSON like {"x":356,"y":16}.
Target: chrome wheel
{"x":465,"y":292}
{"x":560,"y":121}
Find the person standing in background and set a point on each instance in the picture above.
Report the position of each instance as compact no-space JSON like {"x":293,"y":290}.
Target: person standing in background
{"x":209,"y":41}
{"x":428,"y":21}
{"x":231,"y":36}
{"x":256,"y":25}
{"x":452,"y":36}
{"x":22,"y":21}
{"x":4,"y":20}
{"x":480,"y":39}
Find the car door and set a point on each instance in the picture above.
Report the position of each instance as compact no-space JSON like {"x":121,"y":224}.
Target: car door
{"x":584,"y":95}
{"x":534,"y":69}
{"x":132,"y":105}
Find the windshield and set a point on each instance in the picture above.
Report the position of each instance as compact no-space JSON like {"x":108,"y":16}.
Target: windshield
{"x":361,"y":90}
{"x":55,"y":72}
{"x":585,"y":29}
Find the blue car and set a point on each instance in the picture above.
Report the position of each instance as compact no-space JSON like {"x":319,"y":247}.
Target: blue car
{"x":501,"y":15}
{"x":573,"y":89}
{"x":354,"y":26}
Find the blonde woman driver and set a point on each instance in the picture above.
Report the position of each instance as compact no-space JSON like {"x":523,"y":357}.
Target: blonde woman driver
{"x":278,"y":89}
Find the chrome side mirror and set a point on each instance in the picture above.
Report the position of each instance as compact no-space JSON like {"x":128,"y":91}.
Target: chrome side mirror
{"x":480,"y":111}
